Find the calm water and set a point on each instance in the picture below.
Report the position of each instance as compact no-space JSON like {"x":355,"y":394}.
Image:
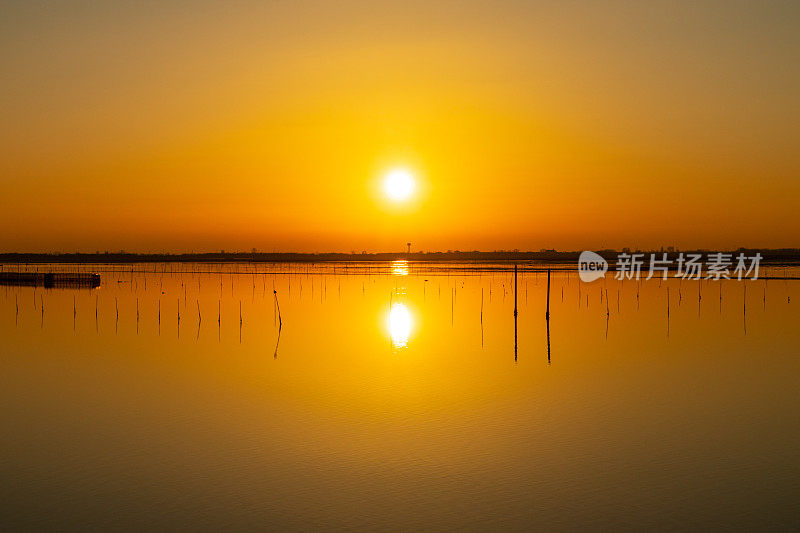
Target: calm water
{"x":391,"y":398}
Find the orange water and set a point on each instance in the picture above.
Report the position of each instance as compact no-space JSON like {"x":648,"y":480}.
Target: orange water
{"x":394,"y":399}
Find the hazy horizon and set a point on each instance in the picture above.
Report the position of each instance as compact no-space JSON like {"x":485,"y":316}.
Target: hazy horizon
{"x":398,"y":252}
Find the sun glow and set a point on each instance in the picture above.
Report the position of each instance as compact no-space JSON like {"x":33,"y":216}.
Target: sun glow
{"x":399,"y":324}
{"x":399,"y":185}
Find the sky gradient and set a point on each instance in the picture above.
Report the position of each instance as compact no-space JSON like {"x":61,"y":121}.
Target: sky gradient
{"x":200,"y":126}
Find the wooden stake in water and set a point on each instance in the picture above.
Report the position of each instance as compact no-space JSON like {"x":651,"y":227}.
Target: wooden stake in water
{"x":699,"y":295}
{"x":278,"y":307}
{"x":481,"y":317}
{"x":515,"y":312}
{"x":744,"y":308}
{"x":744,"y":300}
{"x":548,"y":341}
{"x":547,"y":313}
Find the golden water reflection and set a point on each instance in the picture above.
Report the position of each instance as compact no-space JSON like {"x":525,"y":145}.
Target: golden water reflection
{"x":400,"y":324}
{"x":400,"y":267}
{"x":393,"y":391}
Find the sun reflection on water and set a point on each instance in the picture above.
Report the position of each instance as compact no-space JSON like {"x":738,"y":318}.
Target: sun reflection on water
{"x":400,"y":323}
{"x":400,"y":267}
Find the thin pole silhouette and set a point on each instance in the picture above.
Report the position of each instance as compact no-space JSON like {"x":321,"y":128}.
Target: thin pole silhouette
{"x":744,"y":308}
{"x":548,"y":341}
{"x":515,"y":313}
{"x":547,"y":313}
{"x":481,"y":317}
{"x":277,"y":343}
{"x":278,"y":307}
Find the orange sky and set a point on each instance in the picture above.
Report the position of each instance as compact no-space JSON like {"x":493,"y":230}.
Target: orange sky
{"x":204,"y":126}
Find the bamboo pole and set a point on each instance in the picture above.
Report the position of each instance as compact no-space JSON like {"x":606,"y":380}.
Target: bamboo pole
{"x":278,"y":307}
{"x":547,"y":313}
{"x":515,"y":313}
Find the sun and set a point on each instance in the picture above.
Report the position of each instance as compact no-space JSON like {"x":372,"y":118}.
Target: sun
{"x":399,"y":185}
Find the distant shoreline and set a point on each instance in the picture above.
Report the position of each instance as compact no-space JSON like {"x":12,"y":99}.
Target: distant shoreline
{"x":788,"y":256}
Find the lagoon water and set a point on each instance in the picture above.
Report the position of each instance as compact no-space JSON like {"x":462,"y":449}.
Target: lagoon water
{"x":391,"y":396}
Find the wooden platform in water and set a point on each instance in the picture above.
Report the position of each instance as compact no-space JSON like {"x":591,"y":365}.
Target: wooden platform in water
{"x":51,"y":279}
